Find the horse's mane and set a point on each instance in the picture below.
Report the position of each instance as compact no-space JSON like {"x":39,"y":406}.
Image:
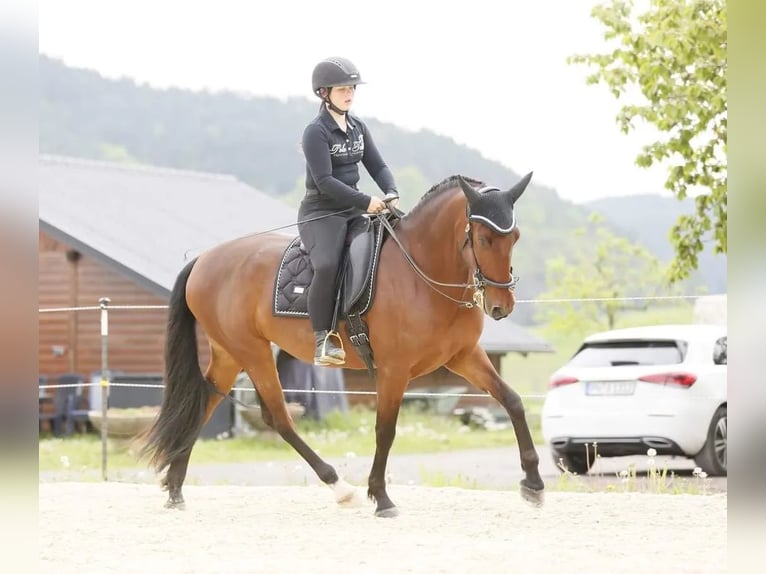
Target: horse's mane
{"x":449,"y":183}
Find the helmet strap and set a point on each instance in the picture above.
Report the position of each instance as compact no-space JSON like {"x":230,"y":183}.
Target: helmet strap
{"x":332,"y":106}
{"x":335,"y":108}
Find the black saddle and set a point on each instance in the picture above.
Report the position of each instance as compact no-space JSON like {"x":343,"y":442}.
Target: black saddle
{"x":356,"y":281}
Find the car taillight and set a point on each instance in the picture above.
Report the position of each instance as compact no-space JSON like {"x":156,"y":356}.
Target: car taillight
{"x":561,"y":381}
{"x":685,"y":380}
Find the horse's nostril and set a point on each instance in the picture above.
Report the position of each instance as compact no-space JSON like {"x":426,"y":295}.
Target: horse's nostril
{"x":497,"y":312}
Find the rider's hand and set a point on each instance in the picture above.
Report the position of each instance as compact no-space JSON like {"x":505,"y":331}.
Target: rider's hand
{"x":376,"y":205}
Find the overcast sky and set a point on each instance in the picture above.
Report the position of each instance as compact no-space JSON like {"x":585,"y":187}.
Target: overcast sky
{"x":489,"y":74}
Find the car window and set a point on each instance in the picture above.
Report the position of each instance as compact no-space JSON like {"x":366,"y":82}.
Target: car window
{"x":620,"y":353}
{"x":720,"y":353}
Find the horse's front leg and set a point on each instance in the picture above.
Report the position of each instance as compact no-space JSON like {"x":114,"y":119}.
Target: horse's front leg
{"x":390,"y":389}
{"x":474,"y":366}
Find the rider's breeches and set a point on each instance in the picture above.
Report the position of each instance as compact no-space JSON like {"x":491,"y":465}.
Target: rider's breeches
{"x":324,"y":240}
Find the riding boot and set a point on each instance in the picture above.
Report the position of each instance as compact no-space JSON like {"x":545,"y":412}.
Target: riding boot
{"x":327,"y":352}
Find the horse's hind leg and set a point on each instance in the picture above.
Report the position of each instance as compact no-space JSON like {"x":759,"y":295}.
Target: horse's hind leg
{"x":266,"y":381}
{"x":221,"y":372}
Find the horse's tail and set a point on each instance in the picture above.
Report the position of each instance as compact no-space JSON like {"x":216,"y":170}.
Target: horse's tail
{"x":186,"y":392}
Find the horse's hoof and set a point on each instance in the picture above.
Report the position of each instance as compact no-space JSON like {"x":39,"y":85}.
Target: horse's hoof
{"x":534,"y":497}
{"x":391,"y":512}
{"x":175,"y":504}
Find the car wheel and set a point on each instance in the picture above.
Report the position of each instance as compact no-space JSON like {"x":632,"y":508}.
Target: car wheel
{"x":576,"y":463}
{"x":712,"y":457}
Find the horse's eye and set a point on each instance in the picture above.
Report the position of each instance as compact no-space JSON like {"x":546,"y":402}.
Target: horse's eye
{"x":483,"y":241}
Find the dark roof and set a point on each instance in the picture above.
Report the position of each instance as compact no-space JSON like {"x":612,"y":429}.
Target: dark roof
{"x":505,"y":336}
{"x":148,"y":222}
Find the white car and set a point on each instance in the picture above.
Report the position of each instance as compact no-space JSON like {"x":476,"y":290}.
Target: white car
{"x":660,"y":387}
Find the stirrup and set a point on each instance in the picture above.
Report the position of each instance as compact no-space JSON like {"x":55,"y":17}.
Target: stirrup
{"x":324,"y":358}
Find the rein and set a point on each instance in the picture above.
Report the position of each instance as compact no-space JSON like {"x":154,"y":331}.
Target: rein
{"x":186,"y":253}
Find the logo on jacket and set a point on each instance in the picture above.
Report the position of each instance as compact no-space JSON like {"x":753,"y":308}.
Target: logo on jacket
{"x":357,"y":146}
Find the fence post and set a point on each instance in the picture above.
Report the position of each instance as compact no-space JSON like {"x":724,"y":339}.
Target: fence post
{"x":104,"y":303}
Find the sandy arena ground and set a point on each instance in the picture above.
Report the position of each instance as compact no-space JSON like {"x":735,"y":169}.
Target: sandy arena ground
{"x":123,"y":528}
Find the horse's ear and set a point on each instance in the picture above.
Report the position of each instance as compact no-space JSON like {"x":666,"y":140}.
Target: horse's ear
{"x":516,"y":191}
{"x":470,"y":193}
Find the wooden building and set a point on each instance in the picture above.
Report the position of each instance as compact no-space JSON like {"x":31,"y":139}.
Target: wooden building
{"x":124,"y":232}
{"x":70,"y":341}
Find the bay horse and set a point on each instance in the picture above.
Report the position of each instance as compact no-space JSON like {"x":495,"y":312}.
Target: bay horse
{"x":448,"y":265}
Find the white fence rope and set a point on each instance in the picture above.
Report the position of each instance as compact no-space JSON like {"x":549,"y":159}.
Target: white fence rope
{"x":98,"y":308}
{"x":307,"y":391}
{"x":602,"y":299}
{"x":527,"y":301}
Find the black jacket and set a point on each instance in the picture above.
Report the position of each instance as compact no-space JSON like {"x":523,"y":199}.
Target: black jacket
{"x":332,"y":158}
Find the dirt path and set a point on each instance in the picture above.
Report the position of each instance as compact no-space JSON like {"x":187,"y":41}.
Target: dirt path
{"x":122,"y":528}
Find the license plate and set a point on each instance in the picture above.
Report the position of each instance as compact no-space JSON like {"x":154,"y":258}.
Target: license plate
{"x":610,"y":388}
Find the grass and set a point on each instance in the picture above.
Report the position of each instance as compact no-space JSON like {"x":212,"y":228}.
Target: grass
{"x":343,"y":436}
{"x":338,"y":435}
{"x":657,"y":480}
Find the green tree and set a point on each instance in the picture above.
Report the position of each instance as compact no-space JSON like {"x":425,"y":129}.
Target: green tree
{"x":668,"y":64}
{"x":607,"y":266}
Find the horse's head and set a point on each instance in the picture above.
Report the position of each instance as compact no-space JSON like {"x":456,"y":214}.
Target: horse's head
{"x":491,"y":233}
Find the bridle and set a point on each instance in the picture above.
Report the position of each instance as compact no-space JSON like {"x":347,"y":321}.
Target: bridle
{"x":480,"y":281}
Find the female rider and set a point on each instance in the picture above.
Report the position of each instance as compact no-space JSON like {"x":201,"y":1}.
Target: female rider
{"x":333,"y":144}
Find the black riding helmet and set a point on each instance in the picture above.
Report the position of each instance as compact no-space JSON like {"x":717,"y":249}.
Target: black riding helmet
{"x":332,"y":72}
